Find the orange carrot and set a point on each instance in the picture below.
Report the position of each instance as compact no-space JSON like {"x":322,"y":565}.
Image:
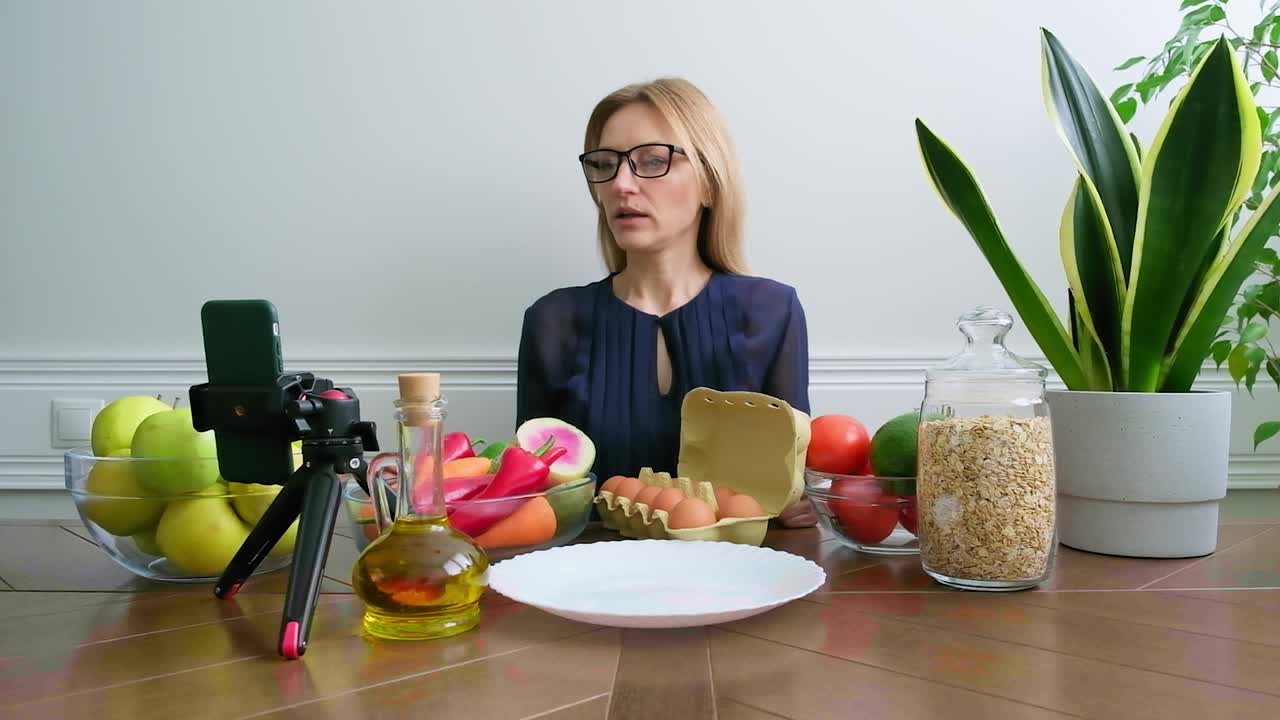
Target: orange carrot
{"x":466,"y":467}
{"x":532,"y":523}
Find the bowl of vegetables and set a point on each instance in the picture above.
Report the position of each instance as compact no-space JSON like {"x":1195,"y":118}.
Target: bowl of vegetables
{"x":531,"y":521}
{"x":868,"y":513}
{"x":530,"y":493}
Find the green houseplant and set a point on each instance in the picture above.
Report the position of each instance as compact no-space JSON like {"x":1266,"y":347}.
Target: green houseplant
{"x":1155,"y":246}
{"x":1246,"y":347}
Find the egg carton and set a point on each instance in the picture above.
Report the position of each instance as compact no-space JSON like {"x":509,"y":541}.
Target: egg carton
{"x":751,"y":443}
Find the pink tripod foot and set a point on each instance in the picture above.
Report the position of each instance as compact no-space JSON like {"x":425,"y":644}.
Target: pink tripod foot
{"x":289,"y":643}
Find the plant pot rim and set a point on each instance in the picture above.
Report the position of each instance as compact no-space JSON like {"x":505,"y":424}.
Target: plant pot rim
{"x":1122,"y":393}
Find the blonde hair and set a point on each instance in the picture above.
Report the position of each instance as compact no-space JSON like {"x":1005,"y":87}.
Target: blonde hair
{"x":701,"y":131}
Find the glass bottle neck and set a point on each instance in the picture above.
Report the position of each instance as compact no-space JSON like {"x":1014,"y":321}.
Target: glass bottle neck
{"x":421,"y":429}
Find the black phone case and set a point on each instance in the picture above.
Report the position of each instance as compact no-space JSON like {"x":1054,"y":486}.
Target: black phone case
{"x":242,"y":348}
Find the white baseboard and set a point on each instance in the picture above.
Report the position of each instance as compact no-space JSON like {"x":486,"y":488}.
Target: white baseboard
{"x":481,"y":392}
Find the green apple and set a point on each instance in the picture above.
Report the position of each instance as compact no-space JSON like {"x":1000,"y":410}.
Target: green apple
{"x":201,"y":534}
{"x":114,"y":425}
{"x":190,"y":458}
{"x":115,"y":497}
{"x":251,"y":501}
{"x":146,"y":542}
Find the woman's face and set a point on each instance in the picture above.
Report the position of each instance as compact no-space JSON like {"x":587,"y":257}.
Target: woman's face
{"x":648,"y":214}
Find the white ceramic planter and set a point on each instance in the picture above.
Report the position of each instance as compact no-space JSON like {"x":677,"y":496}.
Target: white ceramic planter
{"x":1140,"y":474}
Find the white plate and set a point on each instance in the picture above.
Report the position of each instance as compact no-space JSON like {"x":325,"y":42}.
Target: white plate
{"x":656,"y":583}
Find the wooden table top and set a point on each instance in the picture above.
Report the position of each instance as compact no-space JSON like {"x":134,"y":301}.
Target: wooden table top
{"x":1106,"y":638}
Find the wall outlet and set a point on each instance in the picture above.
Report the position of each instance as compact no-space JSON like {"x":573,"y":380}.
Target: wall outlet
{"x":71,"y":421}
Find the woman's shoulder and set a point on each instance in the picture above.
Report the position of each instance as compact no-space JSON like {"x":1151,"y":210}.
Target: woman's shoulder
{"x":756,"y":289}
{"x":561,"y":304}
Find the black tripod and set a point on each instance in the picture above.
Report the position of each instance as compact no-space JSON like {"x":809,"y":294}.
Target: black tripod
{"x":262,"y":422}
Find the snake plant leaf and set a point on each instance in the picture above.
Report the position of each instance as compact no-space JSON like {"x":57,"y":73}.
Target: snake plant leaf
{"x":1197,"y":170}
{"x":1218,"y":291}
{"x":1098,"y":299}
{"x":959,"y":190}
{"x":1102,"y":147}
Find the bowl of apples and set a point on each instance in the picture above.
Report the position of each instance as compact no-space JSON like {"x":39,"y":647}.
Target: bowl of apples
{"x":150,"y":495}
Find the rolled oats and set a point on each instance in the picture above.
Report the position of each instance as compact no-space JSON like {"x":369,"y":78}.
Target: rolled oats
{"x":987,"y":497}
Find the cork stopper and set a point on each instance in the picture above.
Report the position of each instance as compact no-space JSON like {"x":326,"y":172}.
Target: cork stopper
{"x":419,"y":387}
{"x":417,"y":392}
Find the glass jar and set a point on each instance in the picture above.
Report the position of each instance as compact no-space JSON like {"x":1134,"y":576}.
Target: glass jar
{"x":986,"y":485}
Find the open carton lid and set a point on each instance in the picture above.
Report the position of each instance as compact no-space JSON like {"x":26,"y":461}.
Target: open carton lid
{"x":750,"y":442}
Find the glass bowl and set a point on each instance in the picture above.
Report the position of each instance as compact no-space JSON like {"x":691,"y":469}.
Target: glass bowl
{"x":180,"y":537}
{"x":868,"y":513}
{"x":571,"y":502}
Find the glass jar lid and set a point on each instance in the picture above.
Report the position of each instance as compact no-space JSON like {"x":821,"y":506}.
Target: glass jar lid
{"x":985,"y":357}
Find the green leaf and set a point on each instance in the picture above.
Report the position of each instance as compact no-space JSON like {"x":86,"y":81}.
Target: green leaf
{"x":1268,"y":301}
{"x":1221,"y":349}
{"x":1237,"y":363}
{"x":1273,"y":369}
{"x":1264,"y":432}
{"x":1195,"y":175}
{"x":1217,"y":14}
{"x":1198,"y":17}
{"x":1275,"y":34}
{"x":1219,"y":290}
{"x":959,"y":190}
{"x":1130,"y":62}
{"x":1270,"y":62}
{"x":1191,"y":3}
{"x":1253,"y":332}
{"x":1104,"y":154}
{"x":1254,"y":357}
{"x":1118,"y":94}
{"x":1126,"y":109}
{"x":1090,"y":269}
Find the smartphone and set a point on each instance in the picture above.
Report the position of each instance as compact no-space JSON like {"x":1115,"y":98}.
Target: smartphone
{"x":242,"y":349}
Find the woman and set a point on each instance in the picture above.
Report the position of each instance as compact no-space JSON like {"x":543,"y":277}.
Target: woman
{"x":677,"y":310}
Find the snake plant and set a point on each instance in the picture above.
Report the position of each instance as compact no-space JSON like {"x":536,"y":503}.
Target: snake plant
{"x":1148,"y":239}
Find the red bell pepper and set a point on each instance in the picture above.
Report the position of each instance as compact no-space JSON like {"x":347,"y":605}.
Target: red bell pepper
{"x":456,"y":490}
{"x":465,"y":488}
{"x":457,"y":445}
{"x":519,"y":473}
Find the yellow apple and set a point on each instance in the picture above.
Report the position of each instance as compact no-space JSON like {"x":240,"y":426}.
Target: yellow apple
{"x":114,"y":425}
{"x":201,"y":534}
{"x":146,"y":542}
{"x":180,"y":458}
{"x":251,"y":501}
{"x":115,"y":501}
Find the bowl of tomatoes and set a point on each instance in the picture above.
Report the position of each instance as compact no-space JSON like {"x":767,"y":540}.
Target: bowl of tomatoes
{"x":868,"y":513}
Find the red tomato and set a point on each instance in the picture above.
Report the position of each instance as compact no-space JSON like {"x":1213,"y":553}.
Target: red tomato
{"x":910,"y":518}
{"x":837,"y":444}
{"x":867,"y":515}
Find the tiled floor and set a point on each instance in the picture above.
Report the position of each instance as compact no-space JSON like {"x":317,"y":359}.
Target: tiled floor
{"x":1107,"y":638}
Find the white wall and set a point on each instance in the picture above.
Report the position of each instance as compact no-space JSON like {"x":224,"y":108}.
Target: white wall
{"x":389,"y":173}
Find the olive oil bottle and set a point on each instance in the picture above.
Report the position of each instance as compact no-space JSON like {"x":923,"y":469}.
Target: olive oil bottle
{"x":420,"y":578}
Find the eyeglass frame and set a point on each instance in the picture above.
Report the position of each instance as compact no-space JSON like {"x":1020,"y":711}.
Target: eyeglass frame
{"x":671,"y":149}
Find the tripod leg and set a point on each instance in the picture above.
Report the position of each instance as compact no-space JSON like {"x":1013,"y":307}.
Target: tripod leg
{"x":320,"y":504}
{"x":275,"y":521}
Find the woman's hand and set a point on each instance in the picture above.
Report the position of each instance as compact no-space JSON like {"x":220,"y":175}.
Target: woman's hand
{"x":799,"y":515}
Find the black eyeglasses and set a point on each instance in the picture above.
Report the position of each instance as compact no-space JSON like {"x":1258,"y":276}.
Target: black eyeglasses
{"x":646,"y":161}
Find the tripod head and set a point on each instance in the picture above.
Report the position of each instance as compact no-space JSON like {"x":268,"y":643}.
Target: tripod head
{"x":255,"y":425}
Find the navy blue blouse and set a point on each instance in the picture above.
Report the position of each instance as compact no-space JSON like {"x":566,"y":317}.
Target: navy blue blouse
{"x":590,"y":359}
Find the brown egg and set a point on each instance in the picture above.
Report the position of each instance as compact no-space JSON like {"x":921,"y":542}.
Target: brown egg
{"x":722,"y":494}
{"x":611,"y":485}
{"x":647,"y":495}
{"x":740,"y":506}
{"x":629,"y":487}
{"x":668,"y":499}
{"x":691,"y":513}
